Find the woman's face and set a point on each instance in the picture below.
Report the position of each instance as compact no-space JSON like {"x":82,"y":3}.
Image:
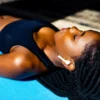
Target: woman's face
{"x":71,"y":42}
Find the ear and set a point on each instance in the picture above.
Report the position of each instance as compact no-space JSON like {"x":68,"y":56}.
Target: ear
{"x":70,"y":66}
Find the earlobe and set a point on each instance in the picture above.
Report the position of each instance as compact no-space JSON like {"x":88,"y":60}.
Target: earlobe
{"x":68,"y":64}
{"x":70,"y":67}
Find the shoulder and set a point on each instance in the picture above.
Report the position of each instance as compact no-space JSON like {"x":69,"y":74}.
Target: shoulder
{"x":24,"y":58}
{"x":45,"y":30}
{"x":21,"y":50}
{"x":21,"y":54}
{"x":44,"y":36}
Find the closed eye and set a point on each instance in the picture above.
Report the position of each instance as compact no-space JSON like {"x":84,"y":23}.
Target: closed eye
{"x":75,"y":36}
{"x":83,"y":33}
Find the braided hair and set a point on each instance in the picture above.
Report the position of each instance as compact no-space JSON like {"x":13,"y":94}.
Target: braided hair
{"x":88,"y":71}
{"x":81,"y":84}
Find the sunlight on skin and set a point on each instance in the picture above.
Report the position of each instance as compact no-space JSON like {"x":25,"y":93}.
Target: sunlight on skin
{"x":18,"y":60}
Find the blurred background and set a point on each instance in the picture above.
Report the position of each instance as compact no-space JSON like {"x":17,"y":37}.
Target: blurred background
{"x":49,"y":10}
{"x":84,"y":14}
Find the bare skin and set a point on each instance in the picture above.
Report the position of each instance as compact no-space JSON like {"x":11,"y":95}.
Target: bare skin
{"x":68,"y":42}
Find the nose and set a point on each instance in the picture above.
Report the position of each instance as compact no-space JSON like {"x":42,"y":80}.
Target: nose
{"x":74,"y":30}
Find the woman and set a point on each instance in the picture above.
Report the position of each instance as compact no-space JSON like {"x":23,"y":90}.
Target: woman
{"x":50,"y":42}
{"x":31,"y":47}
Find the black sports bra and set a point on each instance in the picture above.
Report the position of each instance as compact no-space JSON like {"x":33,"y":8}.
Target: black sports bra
{"x":21,"y":33}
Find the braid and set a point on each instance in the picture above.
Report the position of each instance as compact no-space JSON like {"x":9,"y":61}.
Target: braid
{"x":88,"y":71}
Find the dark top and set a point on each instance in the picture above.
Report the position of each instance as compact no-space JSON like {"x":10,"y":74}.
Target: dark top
{"x":21,"y":33}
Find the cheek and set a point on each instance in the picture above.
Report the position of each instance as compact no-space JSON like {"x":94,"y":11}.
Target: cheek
{"x":70,"y":47}
{"x":80,"y":46}
{"x":64,"y":46}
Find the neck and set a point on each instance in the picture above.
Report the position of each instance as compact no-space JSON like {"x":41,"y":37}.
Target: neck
{"x":45,"y":40}
{"x":51,"y":53}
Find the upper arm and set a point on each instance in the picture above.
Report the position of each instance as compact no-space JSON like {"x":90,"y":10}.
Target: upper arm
{"x":17,"y":63}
